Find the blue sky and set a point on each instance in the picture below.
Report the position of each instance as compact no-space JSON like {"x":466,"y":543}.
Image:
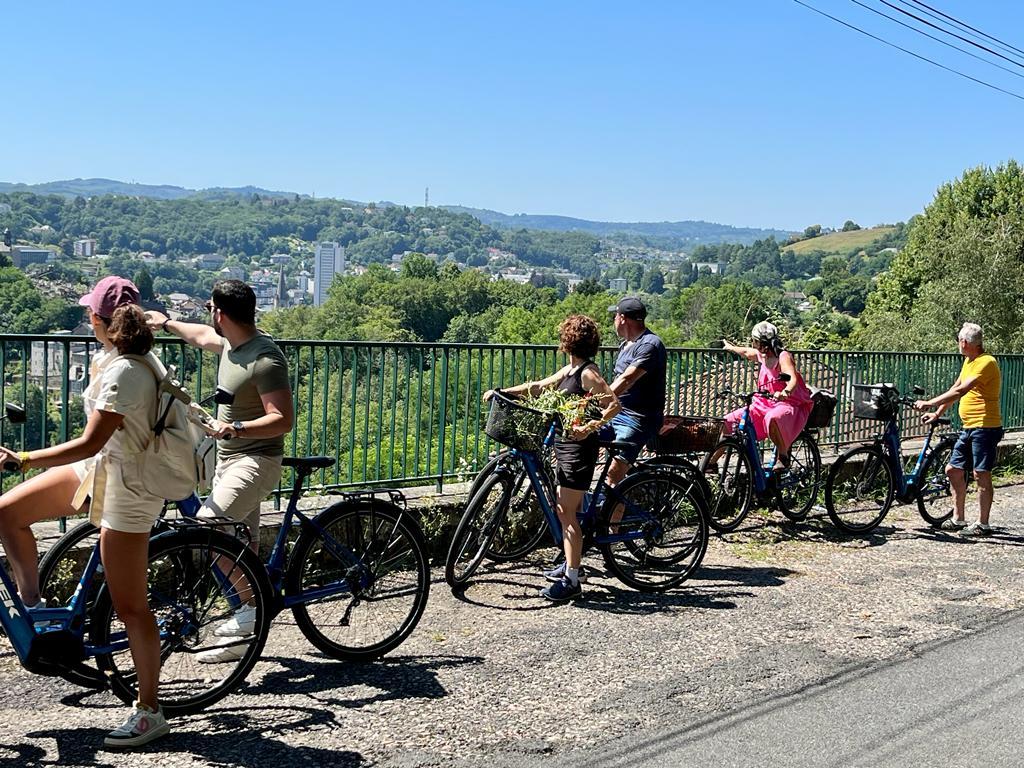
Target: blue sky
{"x":750,"y":112}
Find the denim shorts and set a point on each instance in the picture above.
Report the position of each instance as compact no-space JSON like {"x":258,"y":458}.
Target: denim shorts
{"x":632,"y":428}
{"x":976,"y":449}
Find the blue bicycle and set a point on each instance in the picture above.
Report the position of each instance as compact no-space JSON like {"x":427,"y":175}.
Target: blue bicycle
{"x":651,"y":528}
{"x":189,"y":597}
{"x":864,"y":482}
{"x":356,"y":579}
{"x":739,"y":478}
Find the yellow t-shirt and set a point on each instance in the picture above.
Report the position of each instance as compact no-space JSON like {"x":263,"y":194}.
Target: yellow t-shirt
{"x":980,"y":406}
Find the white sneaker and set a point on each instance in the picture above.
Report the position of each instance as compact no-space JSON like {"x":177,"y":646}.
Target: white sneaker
{"x":241,"y":624}
{"x":142,"y":726}
{"x":228,"y":649}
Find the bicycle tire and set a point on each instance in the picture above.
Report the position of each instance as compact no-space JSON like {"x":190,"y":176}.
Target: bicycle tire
{"x":391,"y":563}
{"x":189,"y":594}
{"x":798,"y":485}
{"x":687,"y":470}
{"x":671,"y":527}
{"x":854,"y":499}
{"x":731,"y":484}
{"x":476,"y":529}
{"x":525,"y":525}
{"x":933,"y":494}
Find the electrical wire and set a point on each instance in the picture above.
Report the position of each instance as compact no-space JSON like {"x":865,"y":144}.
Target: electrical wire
{"x":953,"y":34}
{"x":904,"y":50}
{"x":937,"y":39}
{"x":963,"y":25}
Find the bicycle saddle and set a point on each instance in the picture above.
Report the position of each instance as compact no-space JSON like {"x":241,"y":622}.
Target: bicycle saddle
{"x":309,"y":463}
{"x":617,"y":445}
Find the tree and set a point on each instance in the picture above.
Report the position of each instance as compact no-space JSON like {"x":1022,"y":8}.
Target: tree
{"x":812,"y":231}
{"x":418,"y":265}
{"x":144,"y":282}
{"x":589,"y":287}
{"x":654,"y":281}
{"x":963,"y":260}
{"x":850,"y":226}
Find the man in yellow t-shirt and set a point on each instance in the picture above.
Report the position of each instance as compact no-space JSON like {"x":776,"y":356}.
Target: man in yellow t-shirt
{"x":977,"y":388}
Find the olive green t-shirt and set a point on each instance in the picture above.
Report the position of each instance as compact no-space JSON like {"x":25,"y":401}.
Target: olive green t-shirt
{"x":250,"y":370}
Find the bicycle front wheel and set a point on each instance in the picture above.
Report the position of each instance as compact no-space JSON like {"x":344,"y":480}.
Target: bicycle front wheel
{"x":61,"y":566}
{"x":798,"y":485}
{"x":363,"y":575}
{"x":730,"y":479}
{"x":653,"y":531}
{"x":524,"y":525}
{"x":934,"y":495}
{"x":477,"y":528}
{"x":859,"y":489}
{"x":197,"y":580}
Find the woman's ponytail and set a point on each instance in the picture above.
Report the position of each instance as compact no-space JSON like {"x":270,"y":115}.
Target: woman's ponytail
{"x":129,"y":332}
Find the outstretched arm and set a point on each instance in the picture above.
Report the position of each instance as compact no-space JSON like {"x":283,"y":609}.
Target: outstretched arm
{"x":196,"y":334}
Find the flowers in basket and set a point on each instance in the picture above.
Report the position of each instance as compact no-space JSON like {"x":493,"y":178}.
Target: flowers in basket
{"x":571,"y":410}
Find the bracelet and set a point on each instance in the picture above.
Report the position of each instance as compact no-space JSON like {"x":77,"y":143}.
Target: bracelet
{"x":23,"y":460}
{"x":163,"y":325}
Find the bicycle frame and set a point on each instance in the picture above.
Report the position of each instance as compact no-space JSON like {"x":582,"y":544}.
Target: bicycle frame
{"x":892,"y":447}
{"x":588,"y":510}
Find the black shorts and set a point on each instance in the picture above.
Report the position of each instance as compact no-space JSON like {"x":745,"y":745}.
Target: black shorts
{"x":575,"y":462}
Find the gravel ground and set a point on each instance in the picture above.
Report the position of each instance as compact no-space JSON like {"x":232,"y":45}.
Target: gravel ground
{"x":501,"y":675}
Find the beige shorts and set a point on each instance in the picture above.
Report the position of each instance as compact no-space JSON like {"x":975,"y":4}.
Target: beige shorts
{"x":127,"y":506}
{"x":240,"y":484}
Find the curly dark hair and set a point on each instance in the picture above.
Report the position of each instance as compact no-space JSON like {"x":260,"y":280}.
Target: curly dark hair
{"x":128,"y":331}
{"x":579,"y":335}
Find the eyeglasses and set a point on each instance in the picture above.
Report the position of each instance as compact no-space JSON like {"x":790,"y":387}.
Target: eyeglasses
{"x":210,"y":306}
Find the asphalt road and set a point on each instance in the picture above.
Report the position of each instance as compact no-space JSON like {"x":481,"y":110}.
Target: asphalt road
{"x":958,"y":703}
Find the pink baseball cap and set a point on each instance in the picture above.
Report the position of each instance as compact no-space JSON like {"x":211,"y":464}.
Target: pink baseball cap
{"x":109,"y":294}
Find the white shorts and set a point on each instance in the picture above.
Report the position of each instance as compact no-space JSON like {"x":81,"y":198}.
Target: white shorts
{"x":240,"y":484}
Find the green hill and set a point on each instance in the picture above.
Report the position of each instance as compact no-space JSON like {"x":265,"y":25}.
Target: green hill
{"x":841,"y":242}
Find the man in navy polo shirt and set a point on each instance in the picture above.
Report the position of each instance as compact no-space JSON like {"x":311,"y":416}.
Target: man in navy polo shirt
{"x":639,"y":383}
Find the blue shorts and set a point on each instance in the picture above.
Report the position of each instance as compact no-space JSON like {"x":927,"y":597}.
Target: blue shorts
{"x":976,"y":449}
{"x":631,"y":428}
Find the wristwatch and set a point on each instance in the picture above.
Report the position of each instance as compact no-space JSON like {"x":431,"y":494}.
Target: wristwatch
{"x":237,"y":426}
{"x":163,"y":325}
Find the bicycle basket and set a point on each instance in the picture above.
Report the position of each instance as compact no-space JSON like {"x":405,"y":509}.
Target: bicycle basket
{"x":875,"y":402}
{"x":687,"y":434}
{"x":516,"y":425}
{"x":823,"y":406}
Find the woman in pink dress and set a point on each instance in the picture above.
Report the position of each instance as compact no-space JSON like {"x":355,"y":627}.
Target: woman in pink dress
{"x":782,"y":416}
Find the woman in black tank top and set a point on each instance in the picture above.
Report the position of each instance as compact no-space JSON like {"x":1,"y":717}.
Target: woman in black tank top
{"x":576,"y":448}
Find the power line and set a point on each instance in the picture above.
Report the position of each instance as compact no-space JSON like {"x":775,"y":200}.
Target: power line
{"x":904,"y":50}
{"x":963,"y":25}
{"x":953,"y":34}
{"x":937,"y":39}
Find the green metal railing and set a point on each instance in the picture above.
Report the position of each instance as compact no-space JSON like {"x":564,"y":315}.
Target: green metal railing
{"x":411,"y":414}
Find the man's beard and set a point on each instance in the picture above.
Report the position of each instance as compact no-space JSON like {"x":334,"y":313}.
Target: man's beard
{"x":217,"y":328}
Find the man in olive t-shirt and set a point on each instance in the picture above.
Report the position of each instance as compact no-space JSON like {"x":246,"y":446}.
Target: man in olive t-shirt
{"x":977,"y":388}
{"x":251,"y":429}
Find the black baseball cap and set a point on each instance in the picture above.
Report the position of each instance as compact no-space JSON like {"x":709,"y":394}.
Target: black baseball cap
{"x":630,"y":306}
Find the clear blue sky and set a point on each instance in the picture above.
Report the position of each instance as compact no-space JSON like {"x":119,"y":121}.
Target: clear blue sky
{"x":752,"y":112}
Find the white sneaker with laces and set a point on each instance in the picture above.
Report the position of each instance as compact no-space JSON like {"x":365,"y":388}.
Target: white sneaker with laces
{"x":241,"y":624}
{"x":142,"y":726}
{"x":228,"y":649}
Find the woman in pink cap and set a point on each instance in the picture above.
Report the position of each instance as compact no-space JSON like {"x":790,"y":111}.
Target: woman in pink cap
{"x":119,"y":402}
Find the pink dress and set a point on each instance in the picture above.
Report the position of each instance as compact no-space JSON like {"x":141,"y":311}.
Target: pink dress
{"x":789,"y":415}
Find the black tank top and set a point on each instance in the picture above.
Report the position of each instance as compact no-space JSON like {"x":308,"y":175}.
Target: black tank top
{"x":572,"y":384}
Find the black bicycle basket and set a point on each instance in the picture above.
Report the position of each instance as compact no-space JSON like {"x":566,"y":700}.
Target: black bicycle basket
{"x":515,"y":425}
{"x":875,"y":402}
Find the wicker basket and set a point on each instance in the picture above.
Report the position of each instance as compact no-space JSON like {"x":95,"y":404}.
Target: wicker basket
{"x":875,"y":402}
{"x":687,"y":434}
{"x":516,"y":425}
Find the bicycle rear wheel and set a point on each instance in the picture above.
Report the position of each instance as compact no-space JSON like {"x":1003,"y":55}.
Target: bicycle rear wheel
{"x":859,"y":489}
{"x":798,"y":485}
{"x":191,"y":595}
{"x":478,"y":526}
{"x":934,"y":496}
{"x":364,"y":578}
{"x":653,"y":531}
{"x":730,"y":479}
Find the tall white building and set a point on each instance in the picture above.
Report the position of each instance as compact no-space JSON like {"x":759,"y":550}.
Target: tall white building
{"x":328,"y":261}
